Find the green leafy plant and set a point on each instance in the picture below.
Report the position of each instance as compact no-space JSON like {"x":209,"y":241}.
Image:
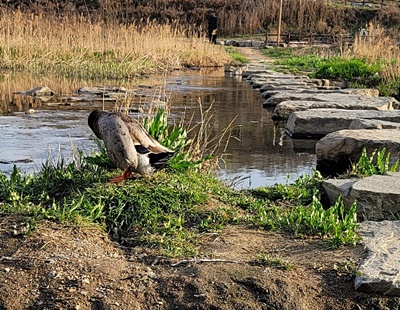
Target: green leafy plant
{"x":333,"y":225}
{"x":158,"y":128}
{"x":377,"y":163}
{"x":100,"y":158}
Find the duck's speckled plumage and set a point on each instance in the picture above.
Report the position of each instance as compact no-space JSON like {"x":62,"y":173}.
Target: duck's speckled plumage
{"x":127,"y":143}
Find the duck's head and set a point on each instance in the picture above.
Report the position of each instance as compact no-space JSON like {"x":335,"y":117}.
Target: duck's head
{"x":93,"y":119}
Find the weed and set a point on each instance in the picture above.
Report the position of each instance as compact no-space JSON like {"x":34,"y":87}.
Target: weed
{"x":351,"y":70}
{"x":333,"y":225}
{"x":377,"y":163}
{"x":273,"y":261}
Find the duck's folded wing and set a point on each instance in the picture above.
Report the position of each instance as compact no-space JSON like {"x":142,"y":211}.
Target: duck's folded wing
{"x":117,"y":140}
{"x":140,"y":136}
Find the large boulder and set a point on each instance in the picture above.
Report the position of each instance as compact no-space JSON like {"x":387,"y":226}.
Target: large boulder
{"x":333,"y":101}
{"x":316,"y":123}
{"x":336,"y":151}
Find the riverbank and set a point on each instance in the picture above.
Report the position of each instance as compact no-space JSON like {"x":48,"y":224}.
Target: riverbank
{"x":237,"y":266}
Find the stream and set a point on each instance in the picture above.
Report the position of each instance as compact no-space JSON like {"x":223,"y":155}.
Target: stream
{"x":258,"y":154}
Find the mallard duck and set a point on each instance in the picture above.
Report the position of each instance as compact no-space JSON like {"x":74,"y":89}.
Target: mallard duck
{"x":128,"y":144}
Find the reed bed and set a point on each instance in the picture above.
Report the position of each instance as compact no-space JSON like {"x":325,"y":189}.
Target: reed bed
{"x":377,"y":47}
{"x":74,"y":47}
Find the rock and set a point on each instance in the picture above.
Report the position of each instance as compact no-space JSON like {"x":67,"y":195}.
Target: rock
{"x":274,"y":84}
{"x":373,"y":124}
{"x":333,"y":188}
{"x":337,"y":150}
{"x":101,"y":90}
{"x":378,"y":197}
{"x":375,"y":199}
{"x":379,"y":272}
{"x":333,"y":101}
{"x":41,"y":91}
{"x":358,"y":95}
{"x":316,"y":123}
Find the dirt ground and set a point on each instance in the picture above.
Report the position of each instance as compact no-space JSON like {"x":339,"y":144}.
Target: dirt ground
{"x":61,"y":267}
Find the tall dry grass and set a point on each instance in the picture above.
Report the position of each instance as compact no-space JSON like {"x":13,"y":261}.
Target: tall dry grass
{"x":377,"y":47}
{"x":74,"y":47}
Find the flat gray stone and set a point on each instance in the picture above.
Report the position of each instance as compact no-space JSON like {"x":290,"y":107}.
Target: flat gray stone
{"x":316,"y":123}
{"x":335,"y":95}
{"x":333,"y":101}
{"x":287,"y":94}
{"x":274,"y":84}
{"x":373,"y":124}
{"x":349,"y":143}
{"x":379,"y":271}
{"x":378,"y":197}
{"x":334,"y":188}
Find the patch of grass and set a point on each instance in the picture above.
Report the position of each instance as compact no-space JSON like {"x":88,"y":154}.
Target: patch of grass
{"x":303,"y":62}
{"x":235,"y":54}
{"x":299,"y":192}
{"x":351,"y":70}
{"x":376,"y":163}
{"x":164,"y":211}
{"x":111,"y":50}
{"x":269,"y":260}
{"x":278,"y":52}
{"x":333,"y":225}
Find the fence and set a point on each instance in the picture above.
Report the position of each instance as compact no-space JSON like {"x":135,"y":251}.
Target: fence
{"x":309,"y":39}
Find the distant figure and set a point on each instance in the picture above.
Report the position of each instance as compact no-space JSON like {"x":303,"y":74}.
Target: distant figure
{"x":212,"y":28}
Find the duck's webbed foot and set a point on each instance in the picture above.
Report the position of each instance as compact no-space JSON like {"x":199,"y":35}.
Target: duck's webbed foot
{"x":120,"y":178}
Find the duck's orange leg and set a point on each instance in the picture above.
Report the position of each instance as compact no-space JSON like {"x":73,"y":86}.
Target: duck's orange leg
{"x":120,"y":178}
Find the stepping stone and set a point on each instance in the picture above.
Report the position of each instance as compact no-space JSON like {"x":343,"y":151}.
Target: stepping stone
{"x":316,"y":123}
{"x":379,"y":271}
{"x":274,"y":97}
{"x":377,"y":196}
{"x":336,"y":151}
{"x":333,"y":101}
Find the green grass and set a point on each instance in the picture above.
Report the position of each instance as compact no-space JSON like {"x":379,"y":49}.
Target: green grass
{"x":350,"y":70}
{"x":169,"y":211}
{"x":354,"y":72}
{"x":333,"y":225}
{"x":235,"y":54}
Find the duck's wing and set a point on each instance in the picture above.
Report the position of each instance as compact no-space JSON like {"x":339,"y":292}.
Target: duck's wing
{"x":117,"y":140}
{"x":139,"y":135}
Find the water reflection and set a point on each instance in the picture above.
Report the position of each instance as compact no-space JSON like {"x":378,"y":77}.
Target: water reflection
{"x":257,"y":155}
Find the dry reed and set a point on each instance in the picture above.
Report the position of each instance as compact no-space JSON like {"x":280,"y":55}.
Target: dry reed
{"x":377,"y":47}
{"x":74,"y":47}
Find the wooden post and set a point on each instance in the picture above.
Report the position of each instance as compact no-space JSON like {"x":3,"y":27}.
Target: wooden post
{"x":279,"y":23}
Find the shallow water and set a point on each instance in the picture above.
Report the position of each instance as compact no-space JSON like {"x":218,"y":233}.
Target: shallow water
{"x":258,"y":154}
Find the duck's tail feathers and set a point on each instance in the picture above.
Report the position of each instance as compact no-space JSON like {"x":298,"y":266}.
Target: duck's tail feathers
{"x":159,"y":160}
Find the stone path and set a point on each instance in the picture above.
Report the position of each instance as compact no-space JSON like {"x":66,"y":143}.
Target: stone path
{"x":379,"y":272}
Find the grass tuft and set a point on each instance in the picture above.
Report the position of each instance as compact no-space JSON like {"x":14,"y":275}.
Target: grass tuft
{"x":377,"y":163}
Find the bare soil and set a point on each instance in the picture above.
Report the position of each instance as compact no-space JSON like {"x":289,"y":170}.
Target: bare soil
{"x":62,"y":267}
